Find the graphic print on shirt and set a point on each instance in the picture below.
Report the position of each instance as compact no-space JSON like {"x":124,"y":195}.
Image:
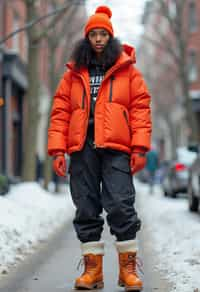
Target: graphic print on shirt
{"x":95,"y":82}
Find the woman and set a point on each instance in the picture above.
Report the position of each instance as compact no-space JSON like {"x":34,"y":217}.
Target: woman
{"x":101,"y":118}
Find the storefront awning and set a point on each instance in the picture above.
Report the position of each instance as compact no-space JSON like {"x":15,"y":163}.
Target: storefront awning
{"x":15,"y":69}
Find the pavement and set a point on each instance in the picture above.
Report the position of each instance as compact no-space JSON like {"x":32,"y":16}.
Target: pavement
{"x":53,"y":266}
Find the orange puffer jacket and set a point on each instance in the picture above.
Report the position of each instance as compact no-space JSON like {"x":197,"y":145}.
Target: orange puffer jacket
{"x":122,"y":111}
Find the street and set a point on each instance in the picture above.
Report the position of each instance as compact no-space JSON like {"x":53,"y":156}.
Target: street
{"x":168,"y":248}
{"x":54,"y":266}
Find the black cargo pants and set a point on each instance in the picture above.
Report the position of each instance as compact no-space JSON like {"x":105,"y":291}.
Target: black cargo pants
{"x":101,"y":179}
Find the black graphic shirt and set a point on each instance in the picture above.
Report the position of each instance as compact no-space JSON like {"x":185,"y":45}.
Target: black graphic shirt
{"x":96,"y":76}
{"x":96,"y":73}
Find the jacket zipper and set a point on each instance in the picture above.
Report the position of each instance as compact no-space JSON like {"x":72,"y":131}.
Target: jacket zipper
{"x":83,"y":98}
{"x":112,"y":78}
{"x":126,"y":118}
{"x":110,"y":97}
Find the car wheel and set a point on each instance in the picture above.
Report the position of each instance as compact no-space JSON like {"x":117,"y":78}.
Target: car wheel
{"x":165,"y":193}
{"x":174,"y":195}
{"x":193,"y":202}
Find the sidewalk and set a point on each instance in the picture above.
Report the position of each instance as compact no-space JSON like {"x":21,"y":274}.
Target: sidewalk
{"x":54,"y":267}
{"x":29,"y":214}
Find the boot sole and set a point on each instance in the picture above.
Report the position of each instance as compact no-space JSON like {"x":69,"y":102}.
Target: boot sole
{"x":97,"y":285}
{"x":129,"y":288}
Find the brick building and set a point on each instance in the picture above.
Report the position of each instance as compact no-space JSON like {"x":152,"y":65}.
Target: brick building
{"x":13,"y":87}
{"x":14,"y":84}
{"x":193,"y":12}
{"x":162,"y":73}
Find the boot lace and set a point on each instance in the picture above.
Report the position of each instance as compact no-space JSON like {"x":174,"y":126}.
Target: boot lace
{"x":88,"y":263}
{"x":80,"y":263}
{"x":135,"y":264}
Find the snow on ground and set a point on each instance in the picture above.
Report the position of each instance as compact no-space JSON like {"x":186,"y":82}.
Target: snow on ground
{"x":176,"y":237}
{"x":28,"y":215}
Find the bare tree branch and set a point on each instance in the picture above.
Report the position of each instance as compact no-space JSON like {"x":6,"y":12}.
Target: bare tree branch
{"x":162,"y":45}
{"x":39,"y":19}
{"x":56,"y":19}
{"x":173,"y":40}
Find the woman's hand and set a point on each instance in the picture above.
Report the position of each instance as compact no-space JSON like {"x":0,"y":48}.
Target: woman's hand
{"x":138,"y":161}
{"x":59,"y":164}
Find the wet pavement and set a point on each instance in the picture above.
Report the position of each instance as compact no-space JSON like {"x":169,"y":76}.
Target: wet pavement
{"x":53,"y":267}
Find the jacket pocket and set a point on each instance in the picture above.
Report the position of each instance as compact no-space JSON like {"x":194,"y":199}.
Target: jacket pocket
{"x":77,"y":127}
{"x":121,"y":163}
{"x":77,"y":95}
{"x":78,"y":188}
{"x":116,"y":124}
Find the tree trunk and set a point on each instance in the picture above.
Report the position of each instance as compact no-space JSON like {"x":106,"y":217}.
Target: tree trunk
{"x":47,"y":171}
{"x":47,"y":163}
{"x":53,"y":82}
{"x":172,"y":135}
{"x":30,"y":141}
{"x":55,"y":39}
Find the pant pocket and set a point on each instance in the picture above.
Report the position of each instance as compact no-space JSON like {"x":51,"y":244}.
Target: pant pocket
{"x":76,"y":182}
{"x":121,"y":178}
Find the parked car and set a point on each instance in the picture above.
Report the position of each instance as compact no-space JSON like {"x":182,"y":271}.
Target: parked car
{"x":194,"y":185}
{"x":177,"y":173}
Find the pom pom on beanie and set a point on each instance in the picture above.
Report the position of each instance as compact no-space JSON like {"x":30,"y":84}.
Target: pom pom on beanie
{"x":101,"y":19}
{"x":105,"y":10}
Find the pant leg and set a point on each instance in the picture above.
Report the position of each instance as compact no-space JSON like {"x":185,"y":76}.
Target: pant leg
{"x":85,"y":177}
{"x":118,"y":195}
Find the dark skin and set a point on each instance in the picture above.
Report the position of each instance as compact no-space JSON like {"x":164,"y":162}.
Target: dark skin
{"x":98,"y":39}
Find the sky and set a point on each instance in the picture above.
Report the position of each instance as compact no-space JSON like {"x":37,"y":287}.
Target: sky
{"x":126,"y":17}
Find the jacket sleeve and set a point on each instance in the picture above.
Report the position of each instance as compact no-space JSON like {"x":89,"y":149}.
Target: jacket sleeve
{"x":60,"y":116}
{"x":140,"y":112}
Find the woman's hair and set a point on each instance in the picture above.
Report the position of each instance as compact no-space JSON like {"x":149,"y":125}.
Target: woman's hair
{"x":83,"y":55}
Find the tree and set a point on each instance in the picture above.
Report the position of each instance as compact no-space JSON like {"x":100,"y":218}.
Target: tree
{"x":35,"y":33}
{"x":173,"y":40}
{"x":60,"y":39}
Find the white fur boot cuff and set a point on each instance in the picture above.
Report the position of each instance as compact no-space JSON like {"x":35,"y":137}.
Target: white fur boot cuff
{"x":126,"y":246}
{"x":94,"y":247}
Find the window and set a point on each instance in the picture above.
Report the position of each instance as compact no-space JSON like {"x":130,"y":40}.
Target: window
{"x":192,"y":66}
{"x":16,"y":41}
{"x":172,"y":9}
{"x":192,"y":17}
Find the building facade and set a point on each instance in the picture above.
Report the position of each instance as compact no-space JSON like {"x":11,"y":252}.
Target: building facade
{"x":13,"y":87}
{"x":192,"y":14}
{"x":14,"y":78}
{"x":162,"y":72}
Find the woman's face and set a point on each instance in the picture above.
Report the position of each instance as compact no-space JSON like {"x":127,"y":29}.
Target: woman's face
{"x":98,"y":38}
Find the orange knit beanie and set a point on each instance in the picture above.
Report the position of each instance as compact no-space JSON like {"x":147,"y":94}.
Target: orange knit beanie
{"x":101,"y":19}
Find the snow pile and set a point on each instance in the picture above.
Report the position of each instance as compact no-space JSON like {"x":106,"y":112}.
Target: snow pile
{"x":28,"y":214}
{"x":176,"y":237}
